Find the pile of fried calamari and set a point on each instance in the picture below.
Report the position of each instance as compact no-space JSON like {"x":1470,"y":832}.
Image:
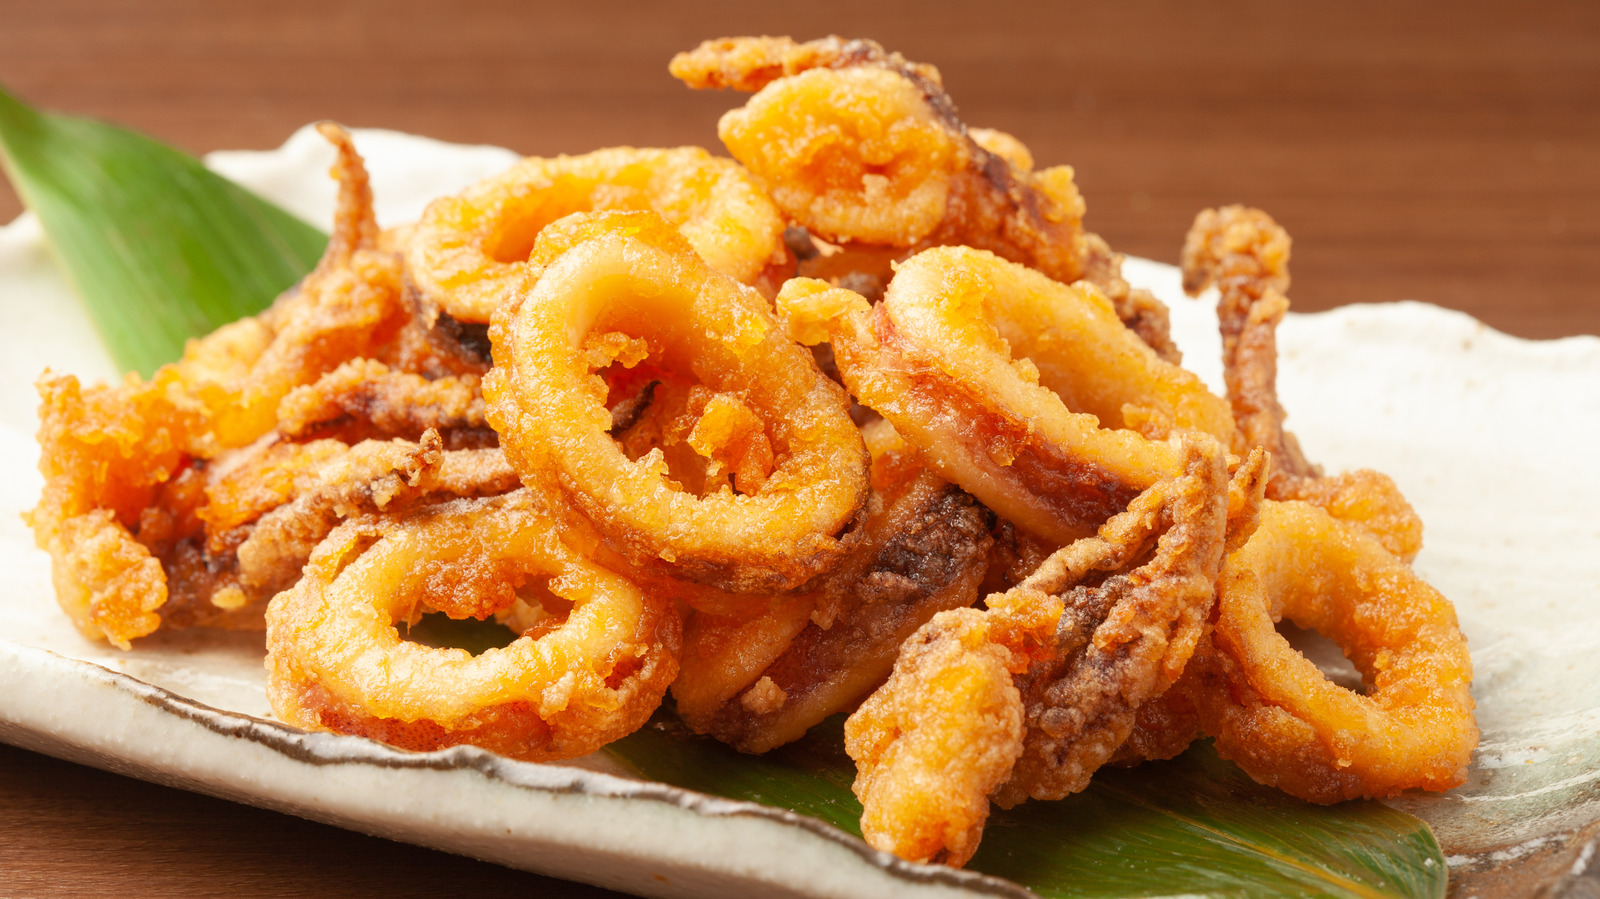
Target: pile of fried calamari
{"x":863,"y":415}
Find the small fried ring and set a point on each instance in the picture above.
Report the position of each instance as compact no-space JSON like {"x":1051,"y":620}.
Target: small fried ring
{"x":629,"y":276}
{"x":468,"y":252}
{"x":1282,"y":720}
{"x":335,"y":660}
{"x":1005,"y":378}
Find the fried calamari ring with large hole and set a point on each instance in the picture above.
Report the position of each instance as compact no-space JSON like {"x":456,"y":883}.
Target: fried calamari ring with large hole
{"x":1004,"y":378}
{"x":626,"y":286}
{"x":1028,"y":698}
{"x":1279,"y":717}
{"x":759,"y":682}
{"x":590,"y":670}
{"x":1246,"y":254}
{"x":861,"y":146}
{"x":469,"y":252}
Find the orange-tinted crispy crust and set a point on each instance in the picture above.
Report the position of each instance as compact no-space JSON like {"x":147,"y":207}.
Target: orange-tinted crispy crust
{"x":1246,"y":255}
{"x":1105,"y":625}
{"x":143,"y":451}
{"x":1276,"y":715}
{"x":860,"y":145}
{"x":924,"y":550}
{"x":590,"y":668}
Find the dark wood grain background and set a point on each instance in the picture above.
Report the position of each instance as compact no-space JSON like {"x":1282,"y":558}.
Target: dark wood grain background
{"x":1447,"y":152}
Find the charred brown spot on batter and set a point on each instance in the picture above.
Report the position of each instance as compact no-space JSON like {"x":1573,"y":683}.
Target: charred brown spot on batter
{"x":626,"y":414}
{"x":471,"y":337}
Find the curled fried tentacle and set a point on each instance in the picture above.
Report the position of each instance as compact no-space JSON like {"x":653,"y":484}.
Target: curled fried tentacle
{"x":1123,"y":641}
{"x":1246,"y":254}
{"x":923,"y":550}
{"x":935,"y":741}
{"x":374,"y":476}
{"x":1276,"y":715}
{"x":349,"y":306}
{"x":106,"y":453}
{"x":859,"y":145}
{"x":364,"y":400}
{"x":469,"y":252}
{"x":1004,"y":378}
{"x":625,"y":287}
{"x":264,"y":509}
{"x":589,"y":670}
{"x":114,"y":452}
{"x":1070,"y":655}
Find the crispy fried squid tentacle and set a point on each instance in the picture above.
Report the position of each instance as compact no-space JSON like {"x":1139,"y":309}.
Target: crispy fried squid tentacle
{"x":591,"y":667}
{"x":267,"y":507}
{"x":366,"y":400}
{"x":1246,"y":255}
{"x":348,"y":307}
{"x":924,"y":550}
{"x":1028,"y":698}
{"x":106,"y":453}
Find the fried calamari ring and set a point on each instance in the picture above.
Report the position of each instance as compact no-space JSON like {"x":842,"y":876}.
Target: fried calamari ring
{"x":590,"y":672}
{"x":861,"y":146}
{"x":1279,"y":717}
{"x":372,"y":476}
{"x":1246,"y":254}
{"x":924,"y":550}
{"x":858,"y":144}
{"x":469,"y":252}
{"x":1028,"y":698}
{"x":1004,"y":377}
{"x":614,"y":286}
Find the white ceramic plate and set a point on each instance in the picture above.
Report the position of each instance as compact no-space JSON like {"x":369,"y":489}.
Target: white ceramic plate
{"x":1494,"y":439}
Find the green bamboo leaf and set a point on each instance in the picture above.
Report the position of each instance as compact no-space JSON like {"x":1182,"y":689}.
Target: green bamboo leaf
{"x":164,"y":250}
{"x":160,"y":248}
{"x":1194,"y":826}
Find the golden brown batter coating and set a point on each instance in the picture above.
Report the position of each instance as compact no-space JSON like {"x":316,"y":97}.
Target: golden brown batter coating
{"x":861,"y":146}
{"x":1246,"y":255}
{"x":1104,"y":626}
{"x":924,"y":549}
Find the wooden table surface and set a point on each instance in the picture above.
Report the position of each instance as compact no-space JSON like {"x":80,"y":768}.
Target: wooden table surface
{"x":1447,"y":152}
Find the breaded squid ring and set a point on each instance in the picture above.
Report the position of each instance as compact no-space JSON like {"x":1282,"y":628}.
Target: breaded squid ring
{"x":628,"y":284}
{"x":567,"y":686}
{"x":1004,"y":379}
{"x":1279,"y":717}
{"x":861,"y":146}
{"x":468,"y":253}
{"x":858,"y":144}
